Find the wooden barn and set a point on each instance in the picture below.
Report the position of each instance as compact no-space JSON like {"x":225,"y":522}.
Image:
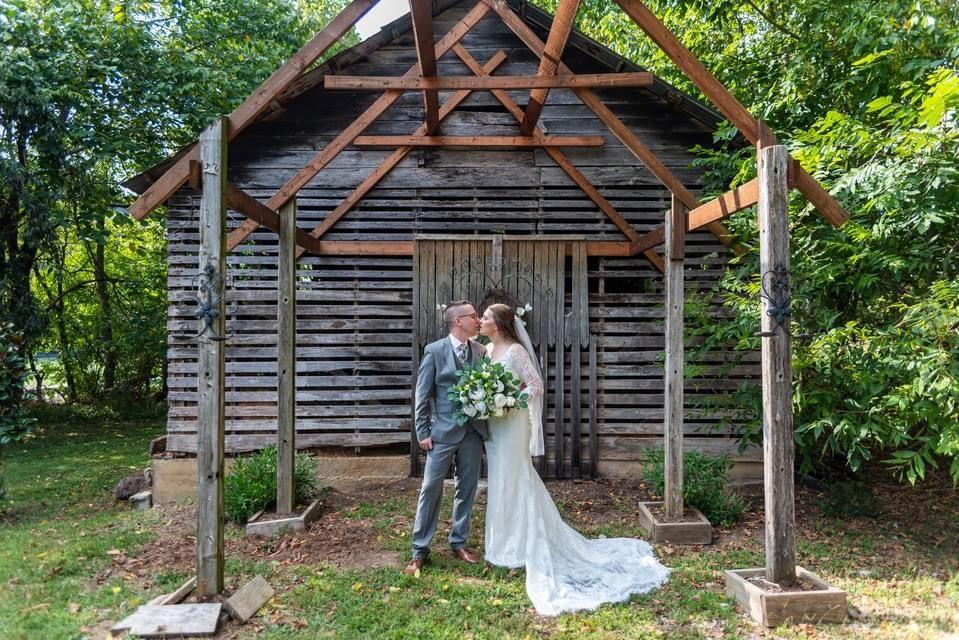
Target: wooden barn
{"x":400,"y":208}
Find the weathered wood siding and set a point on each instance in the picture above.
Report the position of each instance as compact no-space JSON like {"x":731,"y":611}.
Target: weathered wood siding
{"x":354,"y":315}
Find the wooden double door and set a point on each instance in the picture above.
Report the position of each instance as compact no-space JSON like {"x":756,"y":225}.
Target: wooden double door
{"x":548,"y":273}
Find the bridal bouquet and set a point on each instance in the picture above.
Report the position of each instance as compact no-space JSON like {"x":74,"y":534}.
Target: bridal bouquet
{"x":486,"y":390}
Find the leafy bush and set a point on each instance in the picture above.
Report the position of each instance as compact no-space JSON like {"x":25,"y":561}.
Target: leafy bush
{"x":14,"y":423}
{"x":251,"y":484}
{"x":704,"y":484}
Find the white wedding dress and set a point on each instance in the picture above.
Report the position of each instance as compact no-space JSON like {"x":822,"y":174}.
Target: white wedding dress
{"x":564,"y":570}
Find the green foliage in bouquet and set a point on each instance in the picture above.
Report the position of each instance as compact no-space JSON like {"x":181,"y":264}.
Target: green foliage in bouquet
{"x":486,"y":390}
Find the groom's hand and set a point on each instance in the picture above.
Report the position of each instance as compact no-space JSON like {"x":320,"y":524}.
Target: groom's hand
{"x":426,"y":444}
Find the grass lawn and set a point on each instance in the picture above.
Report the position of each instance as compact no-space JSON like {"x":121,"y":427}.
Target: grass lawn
{"x":72,"y":562}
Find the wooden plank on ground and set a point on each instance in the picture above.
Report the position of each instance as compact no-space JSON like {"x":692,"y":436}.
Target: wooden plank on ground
{"x":248,"y":599}
{"x":171,"y":621}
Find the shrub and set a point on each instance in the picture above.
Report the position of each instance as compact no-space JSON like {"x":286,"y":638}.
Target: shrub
{"x":14,"y":423}
{"x":251,"y":484}
{"x":704,"y":484}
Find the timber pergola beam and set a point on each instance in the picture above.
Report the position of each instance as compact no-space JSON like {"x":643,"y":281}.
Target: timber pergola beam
{"x":728,"y":105}
{"x":563,"y":162}
{"x":392,"y":160}
{"x":477,"y":83}
{"x":256,"y":103}
{"x":614,"y":124}
{"x":421,"y":12}
{"x":493,"y":142}
{"x":549,"y":60}
{"x":343,"y":140}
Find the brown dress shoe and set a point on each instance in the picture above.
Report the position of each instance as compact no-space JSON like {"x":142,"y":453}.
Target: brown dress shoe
{"x":415,"y":565}
{"x":465,"y":555}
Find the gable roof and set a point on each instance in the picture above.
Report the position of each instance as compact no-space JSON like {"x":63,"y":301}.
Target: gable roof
{"x":531,"y":15}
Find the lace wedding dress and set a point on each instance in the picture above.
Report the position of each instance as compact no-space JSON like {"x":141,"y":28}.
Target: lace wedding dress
{"x":564,"y":570}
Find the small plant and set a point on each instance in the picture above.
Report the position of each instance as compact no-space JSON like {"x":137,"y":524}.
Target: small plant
{"x":704,"y":484}
{"x":250,"y":486}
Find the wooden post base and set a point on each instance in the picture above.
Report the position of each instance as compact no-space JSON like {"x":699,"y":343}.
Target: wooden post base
{"x":257,"y":527}
{"x":695,"y":530}
{"x":769,"y":607}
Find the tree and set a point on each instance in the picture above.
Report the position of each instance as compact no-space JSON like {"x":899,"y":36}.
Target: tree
{"x":866,"y":95}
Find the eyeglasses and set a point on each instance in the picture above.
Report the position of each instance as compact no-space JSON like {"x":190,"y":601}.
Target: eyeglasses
{"x":473,"y":315}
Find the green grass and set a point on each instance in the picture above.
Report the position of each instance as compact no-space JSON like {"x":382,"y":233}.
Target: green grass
{"x":61,"y":526}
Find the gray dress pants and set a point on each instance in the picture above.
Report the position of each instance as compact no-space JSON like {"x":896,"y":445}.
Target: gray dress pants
{"x":468,"y":456}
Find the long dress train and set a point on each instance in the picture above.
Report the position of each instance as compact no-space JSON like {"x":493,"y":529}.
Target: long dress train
{"x":564,"y":570}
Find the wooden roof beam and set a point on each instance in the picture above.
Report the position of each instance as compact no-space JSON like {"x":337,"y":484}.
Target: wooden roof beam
{"x":727,"y":104}
{"x":421,"y":12}
{"x":242,"y":202}
{"x":346,"y":137}
{"x":393,"y":159}
{"x":615,"y":125}
{"x":550,"y":60}
{"x":564,"y":163}
{"x":493,"y":142}
{"x":167,"y":184}
{"x":447,"y":83}
{"x":702,"y":216}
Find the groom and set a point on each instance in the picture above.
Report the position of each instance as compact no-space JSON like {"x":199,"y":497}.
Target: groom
{"x":443,"y":439}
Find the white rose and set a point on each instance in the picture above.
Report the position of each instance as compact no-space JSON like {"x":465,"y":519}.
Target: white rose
{"x":469,"y":410}
{"x":477,"y":394}
{"x":480,"y":407}
{"x":499,"y":400}
{"x":511,"y":401}
{"x":520,"y":312}
{"x":498,"y":413}
{"x":499,"y":386}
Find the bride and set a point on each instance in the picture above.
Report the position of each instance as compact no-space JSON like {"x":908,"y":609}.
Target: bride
{"x":564,"y":570}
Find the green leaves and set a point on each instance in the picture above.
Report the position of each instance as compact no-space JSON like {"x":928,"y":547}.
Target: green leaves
{"x":15,"y":426}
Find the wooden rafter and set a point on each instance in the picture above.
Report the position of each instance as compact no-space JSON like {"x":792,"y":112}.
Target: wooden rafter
{"x":563,"y":162}
{"x":730,"y":107}
{"x":615,"y":125}
{"x":550,"y":60}
{"x":421,"y":12}
{"x":392,"y":160}
{"x":255,"y":103}
{"x":508,"y":142}
{"x":706,"y":214}
{"x":450,"y":83}
{"x":343,"y":140}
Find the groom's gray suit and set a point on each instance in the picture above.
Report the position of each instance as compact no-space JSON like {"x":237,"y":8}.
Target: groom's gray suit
{"x":434,"y":418}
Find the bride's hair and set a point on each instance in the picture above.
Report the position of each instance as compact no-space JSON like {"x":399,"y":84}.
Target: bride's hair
{"x":505,"y":321}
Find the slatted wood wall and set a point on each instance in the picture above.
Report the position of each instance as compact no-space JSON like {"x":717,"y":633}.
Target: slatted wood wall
{"x":354,"y":315}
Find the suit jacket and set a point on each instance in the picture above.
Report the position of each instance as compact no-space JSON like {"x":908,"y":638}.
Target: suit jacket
{"x":434,"y":411}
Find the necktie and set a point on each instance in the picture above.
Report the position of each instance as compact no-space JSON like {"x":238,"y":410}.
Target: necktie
{"x":461,"y":353}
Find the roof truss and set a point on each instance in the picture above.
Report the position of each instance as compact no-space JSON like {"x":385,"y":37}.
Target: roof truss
{"x":551,"y":73}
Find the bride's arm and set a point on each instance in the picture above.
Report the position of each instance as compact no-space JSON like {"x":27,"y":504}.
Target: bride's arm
{"x":527,"y":371}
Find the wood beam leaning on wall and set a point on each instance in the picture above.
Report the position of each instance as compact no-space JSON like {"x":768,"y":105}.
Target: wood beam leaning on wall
{"x":167,"y":184}
{"x":549,"y":60}
{"x":343,"y":140}
{"x":487,"y":83}
{"x":614,"y":124}
{"x":564,"y":163}
{"x":391,"y":161}
{"x":421,"y":12}
{"x":727,"y":104}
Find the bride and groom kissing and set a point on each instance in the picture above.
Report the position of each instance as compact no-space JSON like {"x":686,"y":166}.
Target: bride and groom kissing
{"x":523,"y":529}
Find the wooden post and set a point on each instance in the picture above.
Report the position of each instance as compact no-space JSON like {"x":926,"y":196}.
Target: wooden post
{"x":212,"y":361}
{"x":675,"y":252}
{"x":286,"y":360}
{"x":778,"y":453}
